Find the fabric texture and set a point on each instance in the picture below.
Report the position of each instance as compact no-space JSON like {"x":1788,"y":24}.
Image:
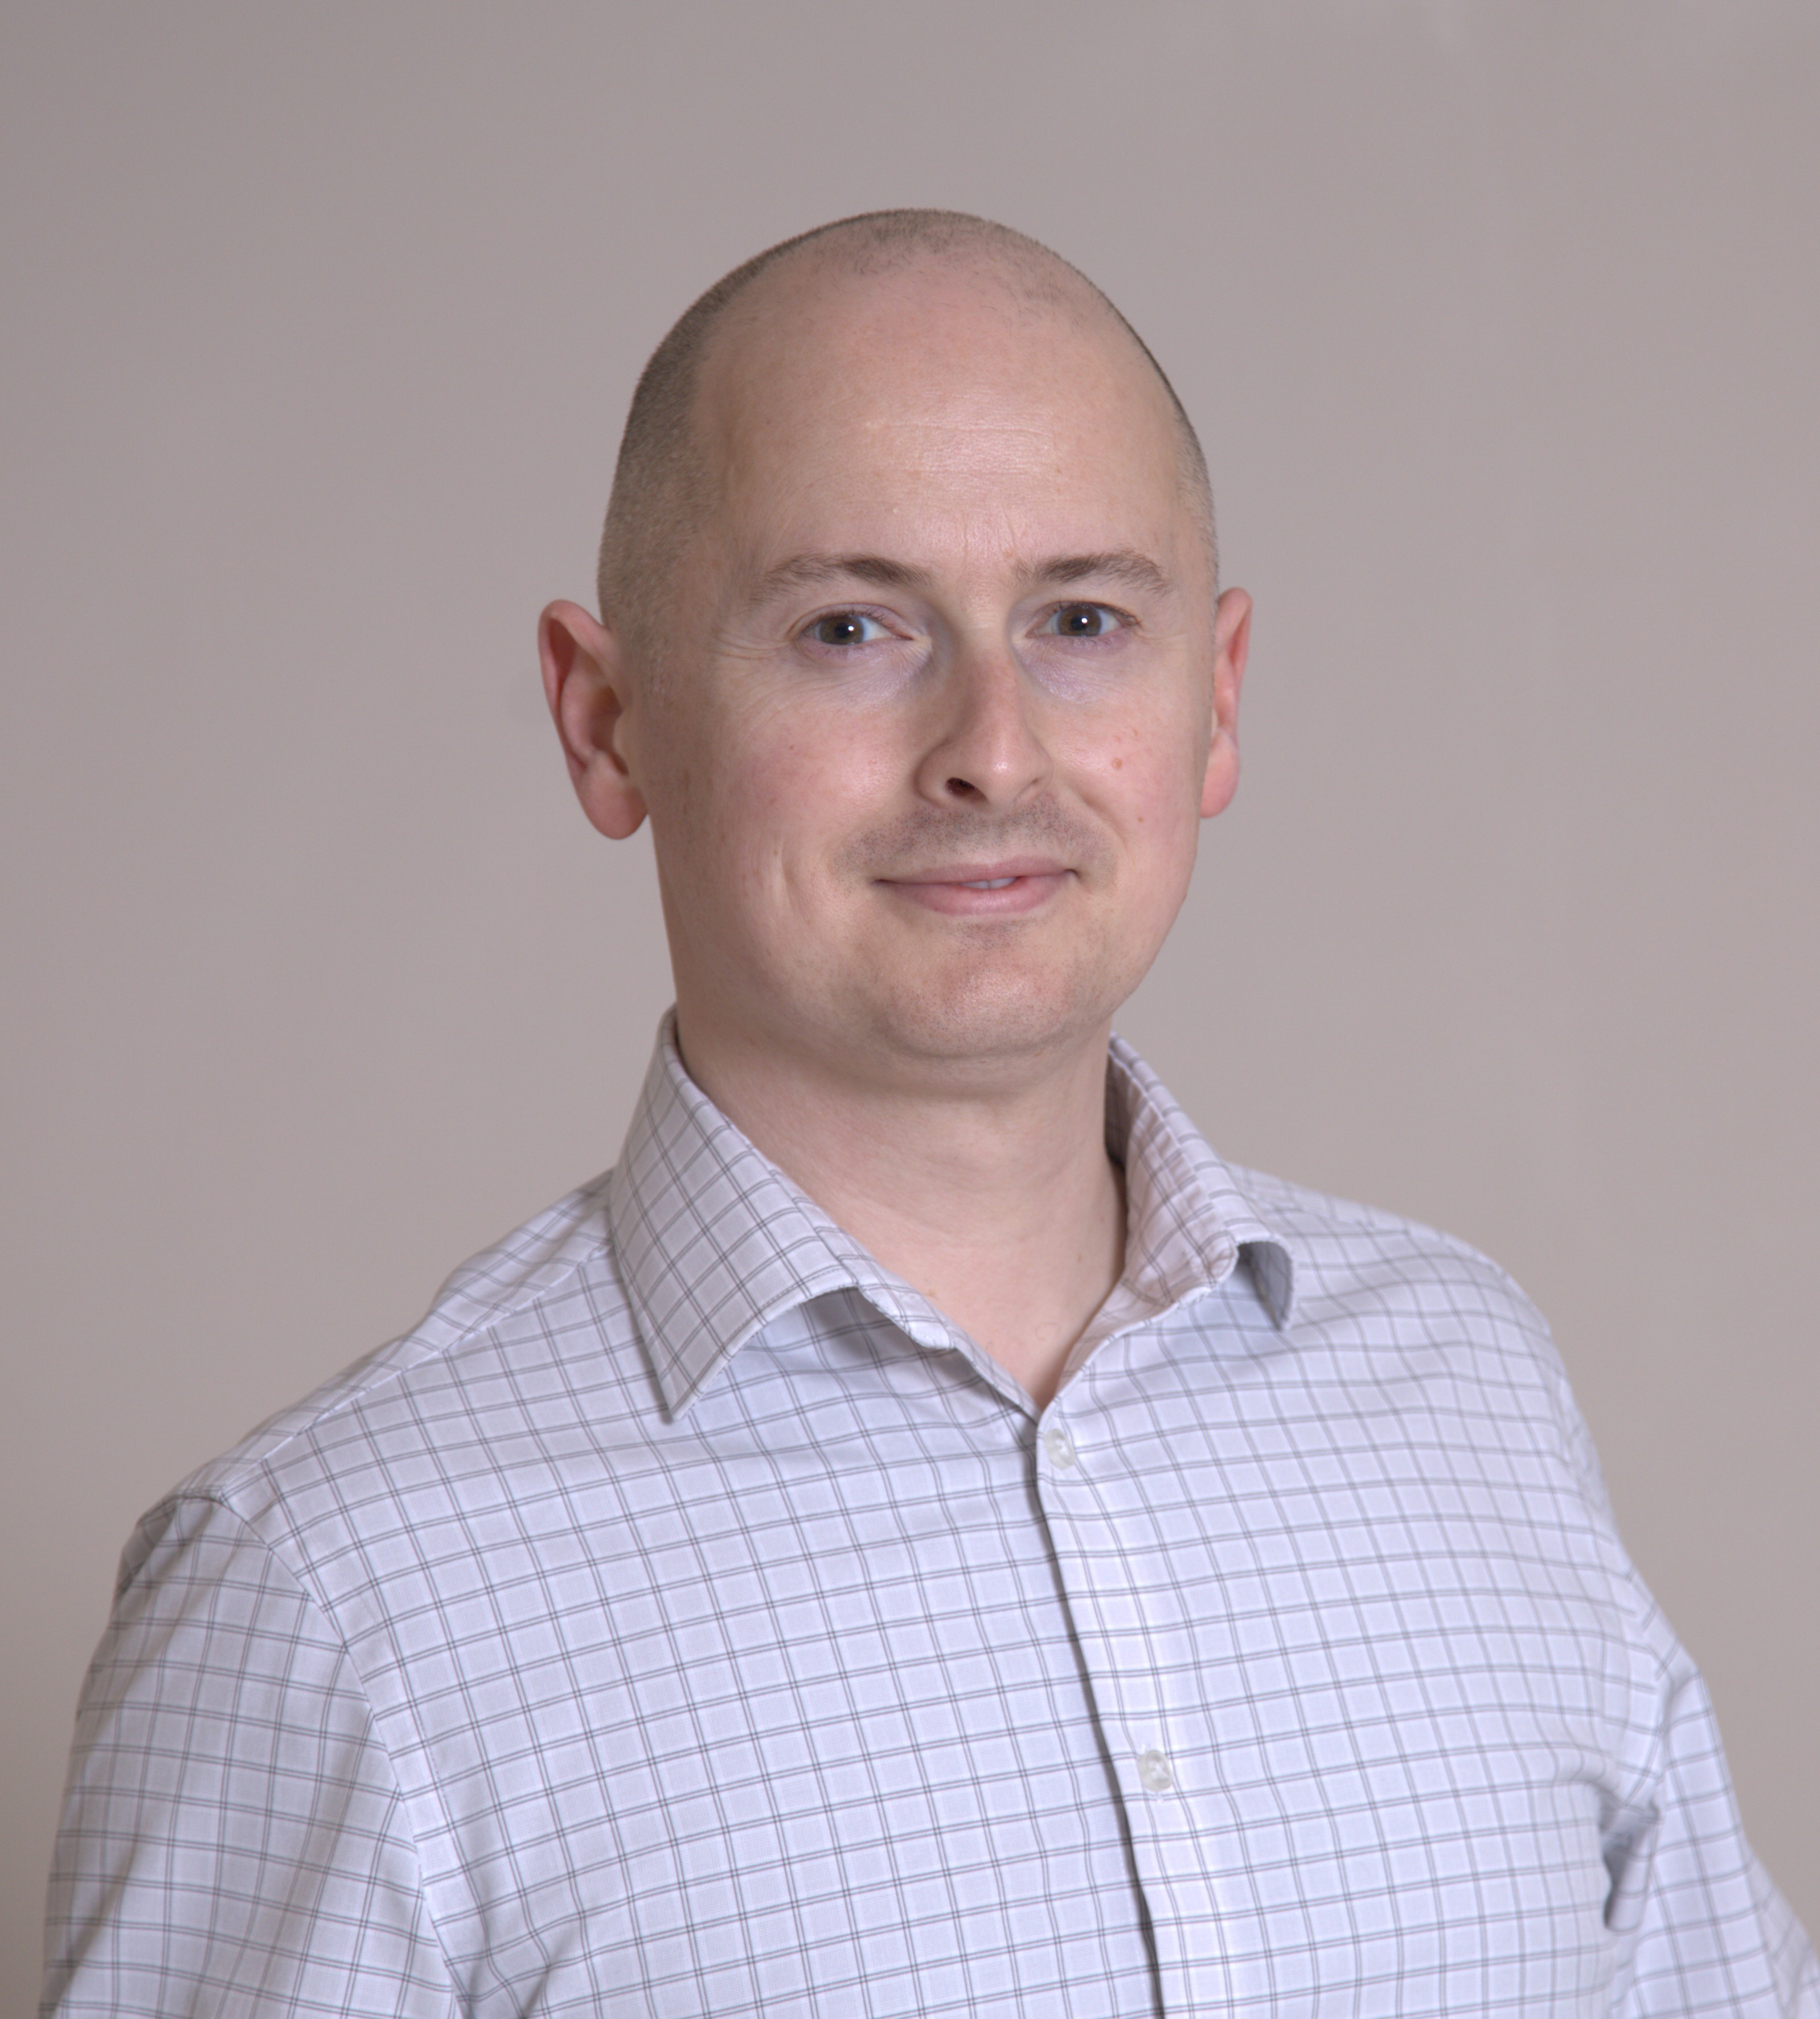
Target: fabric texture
{"x":687,"y":1619}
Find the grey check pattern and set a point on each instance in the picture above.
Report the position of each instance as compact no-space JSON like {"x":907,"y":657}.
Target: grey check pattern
{"x":687,"y":1619}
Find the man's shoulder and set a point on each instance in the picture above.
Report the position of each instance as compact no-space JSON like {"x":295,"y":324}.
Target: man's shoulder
{"x":1350,"y":1258}
{"x":538,"y":1314}
{"x":1408,"y":1319}
{"x":1320,"y":1261}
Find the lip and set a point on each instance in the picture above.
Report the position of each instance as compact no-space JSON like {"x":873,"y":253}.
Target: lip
{"x":1027,"y":882}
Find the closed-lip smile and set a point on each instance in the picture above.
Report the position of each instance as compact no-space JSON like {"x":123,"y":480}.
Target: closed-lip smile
{"x":983,"y":890}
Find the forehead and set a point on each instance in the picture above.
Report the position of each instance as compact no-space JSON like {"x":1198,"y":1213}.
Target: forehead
{"x":935,"y":398}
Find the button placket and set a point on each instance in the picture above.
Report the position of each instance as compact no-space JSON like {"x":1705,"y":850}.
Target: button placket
{"x":1113,"y":1553}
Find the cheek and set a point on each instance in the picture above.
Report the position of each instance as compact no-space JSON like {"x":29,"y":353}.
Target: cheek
{"x":770,"y":804}
{"x":1147,"y":782}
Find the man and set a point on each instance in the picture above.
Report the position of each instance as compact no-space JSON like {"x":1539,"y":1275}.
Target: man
{"x":921,"y":1535}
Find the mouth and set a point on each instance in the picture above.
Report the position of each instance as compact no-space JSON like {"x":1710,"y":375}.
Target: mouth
{"x":983,"y":890}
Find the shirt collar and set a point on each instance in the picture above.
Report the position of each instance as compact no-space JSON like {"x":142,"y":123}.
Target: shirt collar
{"x":714,"y":1242}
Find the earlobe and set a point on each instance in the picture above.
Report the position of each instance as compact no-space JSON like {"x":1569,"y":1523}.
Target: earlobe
{"x":1231,"y":647}
{"x":1220,"y":780}
{"x":584,"y":684}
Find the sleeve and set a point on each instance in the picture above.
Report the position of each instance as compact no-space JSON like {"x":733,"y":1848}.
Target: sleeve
{"x":1705,"y":1930}
{"x":233,"y":1839}
{"x":1712,"y":1935}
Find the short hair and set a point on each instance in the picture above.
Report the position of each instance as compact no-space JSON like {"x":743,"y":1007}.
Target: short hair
{"x":660,"y":482}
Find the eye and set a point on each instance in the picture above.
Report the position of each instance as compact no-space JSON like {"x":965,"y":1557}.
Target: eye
{"x":847,"y":627}
{"x":1082,"y":620}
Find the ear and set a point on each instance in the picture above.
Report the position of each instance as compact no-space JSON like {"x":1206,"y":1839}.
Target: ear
{"x":1232,"y":643}
{"x":585,"y":683}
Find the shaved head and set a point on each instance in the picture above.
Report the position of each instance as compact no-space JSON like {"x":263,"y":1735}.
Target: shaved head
{"x":664,"y":483}
{"x":912,"y":655}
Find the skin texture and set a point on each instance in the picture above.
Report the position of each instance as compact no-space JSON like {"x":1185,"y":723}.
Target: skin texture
{"x":950,"y":618}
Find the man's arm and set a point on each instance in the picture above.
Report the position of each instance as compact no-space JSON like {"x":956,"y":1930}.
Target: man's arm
{"x":1708,"y":1932}
{"x":1713,"y":1934}
{"x":233,"y":1839}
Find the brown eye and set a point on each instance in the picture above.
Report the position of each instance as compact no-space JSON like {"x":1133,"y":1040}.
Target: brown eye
{"x":843,"y":627}
{"x":1082,"y":620}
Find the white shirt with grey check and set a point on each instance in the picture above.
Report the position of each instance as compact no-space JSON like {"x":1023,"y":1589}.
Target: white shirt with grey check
{"x":688,"y":1619}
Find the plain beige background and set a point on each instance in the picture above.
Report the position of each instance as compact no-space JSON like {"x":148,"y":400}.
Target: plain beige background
{"x":1502,"y":324}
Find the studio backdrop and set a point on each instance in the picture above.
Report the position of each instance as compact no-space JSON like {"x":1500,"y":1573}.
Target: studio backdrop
{"x":1500,"y":323}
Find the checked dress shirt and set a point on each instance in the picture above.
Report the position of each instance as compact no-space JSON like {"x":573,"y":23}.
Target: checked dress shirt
{"x":687,"y":1619}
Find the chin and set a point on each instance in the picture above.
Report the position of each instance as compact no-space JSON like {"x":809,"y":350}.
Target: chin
{"x":975,"y":1016}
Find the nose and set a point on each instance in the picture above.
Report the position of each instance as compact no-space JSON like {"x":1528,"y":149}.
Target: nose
{"x":984,"y":748}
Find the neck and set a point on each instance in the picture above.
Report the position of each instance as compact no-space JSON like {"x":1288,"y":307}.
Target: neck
{"x":997,"y":1200}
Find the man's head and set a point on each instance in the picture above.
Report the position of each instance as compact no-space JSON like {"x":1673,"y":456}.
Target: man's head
{"x":908,"y":586}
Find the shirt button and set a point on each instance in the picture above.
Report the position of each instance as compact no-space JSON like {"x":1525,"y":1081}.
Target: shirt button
{"x":1154,"y":1770}
{"x":1060,"y":1446}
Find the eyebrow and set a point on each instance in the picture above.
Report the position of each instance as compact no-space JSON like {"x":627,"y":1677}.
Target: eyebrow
{"x":808,"y":571}
{"x":1123,"y":565}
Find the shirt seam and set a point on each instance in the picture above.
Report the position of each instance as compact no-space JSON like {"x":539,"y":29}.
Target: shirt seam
{"x":297,"y":1572}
